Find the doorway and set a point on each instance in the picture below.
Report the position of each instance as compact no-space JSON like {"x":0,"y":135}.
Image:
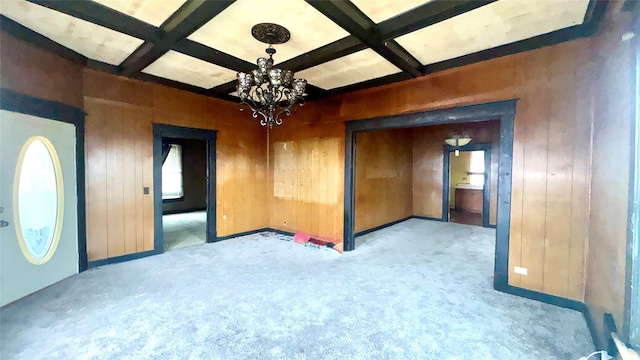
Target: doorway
{"x":184,"y":192}
{"x":466,"y":184}
{"x":184,"y":173}
{"x":503,"y":111}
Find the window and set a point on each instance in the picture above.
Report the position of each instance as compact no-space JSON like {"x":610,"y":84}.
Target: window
{"x":476,"y":168}
{"x":39,"y":197}
{"x":172,"y":174}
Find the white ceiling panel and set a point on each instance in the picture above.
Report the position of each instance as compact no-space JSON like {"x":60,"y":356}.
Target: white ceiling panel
{"x":90,"y":40}
{"x":357,"y":67}
{"x":154,"y":12}
{"x":189,"y":70}
{"x":499,"y":23}
{"x":380,"y":10}
{"x":230,"y":31}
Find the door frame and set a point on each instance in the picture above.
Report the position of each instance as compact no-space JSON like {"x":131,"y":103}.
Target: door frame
{"x":632,"y":269}
{"x":53,"y":110}
{"x":171,"y":131}
{"x":486,"y":190}
{"x":500,"y":110}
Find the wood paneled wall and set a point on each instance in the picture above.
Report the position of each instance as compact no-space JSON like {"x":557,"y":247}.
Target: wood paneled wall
{"x":119,"y":160}
{"x":550,"y":191}
{"x":306,"y":167}
{"x":29,"y":70}
{"x":383,"y":177}
{"x":613,"y":116}
{"x":428,"y":162}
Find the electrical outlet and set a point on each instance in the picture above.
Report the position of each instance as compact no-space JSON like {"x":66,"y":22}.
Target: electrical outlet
{"x":520,"y":270}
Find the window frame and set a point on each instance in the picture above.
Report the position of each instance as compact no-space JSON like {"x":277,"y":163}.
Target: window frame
{"x":181,"y":198}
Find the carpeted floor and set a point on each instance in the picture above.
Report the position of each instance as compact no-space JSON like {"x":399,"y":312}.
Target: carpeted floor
{"x":416,"y":290}
{"x":185,"y":229}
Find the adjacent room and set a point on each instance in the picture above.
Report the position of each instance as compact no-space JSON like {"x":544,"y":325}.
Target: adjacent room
{"x":184,"y":192}
{"x":320,"y":179}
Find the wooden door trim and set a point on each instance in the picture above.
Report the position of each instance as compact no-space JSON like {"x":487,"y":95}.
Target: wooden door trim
{"x":504,"y":111}
{"x":53,"y":110}
{"x":179,"y":132}
{"x":486,"y":190}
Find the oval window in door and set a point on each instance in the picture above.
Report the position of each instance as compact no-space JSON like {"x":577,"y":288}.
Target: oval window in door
{"x":38,"y":199}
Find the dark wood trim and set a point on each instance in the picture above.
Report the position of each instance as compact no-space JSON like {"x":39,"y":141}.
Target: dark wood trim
{"x":426,"y":218}
{"x":609,"y":326}
{"x":500,"y":110}
{"x":178,"y":132}
{"x":244,"y":233}
{"x":486,"y":189}
{"x":29,"y":105}
{"x":354,"y":21}
{"x":339,"y":48}
{"x":401,"y":76}
{"x":631,"y":313}
{"x":123,"y":258}
{"x":104,"y":16}
{"x":425,"y":15}
{"x":186,"y":20}
{"x":364,"y":232}
{"x":557,"y":301}
{"x":27,"y":35}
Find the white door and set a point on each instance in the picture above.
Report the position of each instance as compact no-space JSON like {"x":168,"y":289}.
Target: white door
{"x":38,"y":204}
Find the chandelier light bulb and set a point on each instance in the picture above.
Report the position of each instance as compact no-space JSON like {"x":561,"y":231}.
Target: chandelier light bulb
{"x":270,"y":92}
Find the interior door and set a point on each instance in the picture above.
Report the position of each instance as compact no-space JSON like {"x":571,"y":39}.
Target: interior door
{"x":38,"y":204}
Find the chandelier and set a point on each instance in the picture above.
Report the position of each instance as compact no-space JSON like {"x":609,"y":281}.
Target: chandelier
{"x":269,"y":92}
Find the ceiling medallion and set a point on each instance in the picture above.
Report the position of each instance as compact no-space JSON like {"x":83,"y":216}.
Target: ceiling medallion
{"x":268,"y":91}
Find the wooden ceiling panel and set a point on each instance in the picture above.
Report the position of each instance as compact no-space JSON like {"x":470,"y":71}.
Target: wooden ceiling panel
{"x":499,"y":23}
{"x":358,"y":67}
{"x":380,"y":10}
{"x":230,"y":31}
{"x":189,"y":70}
{"x":93,"y":41}
{"x":154,"y":12}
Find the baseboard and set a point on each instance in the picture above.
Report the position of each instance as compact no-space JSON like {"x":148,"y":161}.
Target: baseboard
{"x":281,"y":232}
{"x":245,"y":233}
{"x":364,"y":232}
{"x":427,"y":218}
{"x":561,"y":302}
{"x":123,"y":258}
{"x":180,"y":211}
{"x":609,"y":326}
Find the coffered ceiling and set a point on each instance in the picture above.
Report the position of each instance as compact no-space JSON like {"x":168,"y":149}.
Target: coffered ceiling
{"x":337,"y":45}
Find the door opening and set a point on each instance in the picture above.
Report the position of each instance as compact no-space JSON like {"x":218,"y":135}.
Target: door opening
{"x":184,"y":186}
{"x":466,"y":184}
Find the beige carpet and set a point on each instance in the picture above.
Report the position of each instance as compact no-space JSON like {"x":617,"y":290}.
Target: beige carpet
{"x":186,"y":229}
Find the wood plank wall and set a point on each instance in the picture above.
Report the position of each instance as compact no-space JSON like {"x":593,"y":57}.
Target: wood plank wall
{"x":306,"y":174}
{"x":119,"y":160}
{"x":383,"y":177}
{"x":28,"y":70}
{"x":613,"y":116}
{"x":551,"y":156}
{"x":428,"y":164}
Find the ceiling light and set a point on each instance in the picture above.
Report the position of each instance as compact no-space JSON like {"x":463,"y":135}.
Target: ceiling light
{"x":267,"y":91}
{"x":458,"y":141}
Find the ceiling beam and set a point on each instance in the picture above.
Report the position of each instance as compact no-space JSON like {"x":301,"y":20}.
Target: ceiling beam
{"x":104,"y":16}
{"x":350,"y":18}
{"x":23,"y":33}
{"x":186,"y":20}
{"x":337,"y":49}
{"x":425,"y":15}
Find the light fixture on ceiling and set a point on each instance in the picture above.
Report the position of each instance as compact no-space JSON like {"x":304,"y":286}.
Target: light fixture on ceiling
{"x":267,"y":91}
{"x":458,"y":141}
